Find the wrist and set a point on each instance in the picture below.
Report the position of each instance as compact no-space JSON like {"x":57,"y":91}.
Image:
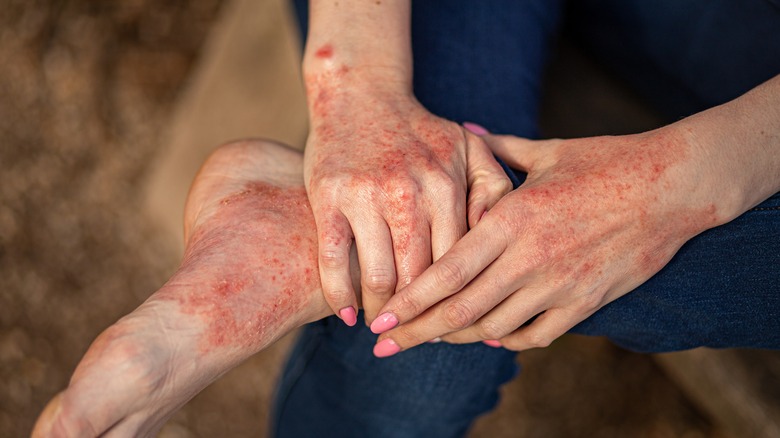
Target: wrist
{"x":718,"y":182}
{"x":357,"y":44}
{"x":345,"y":77}
{"x":342,"y":90}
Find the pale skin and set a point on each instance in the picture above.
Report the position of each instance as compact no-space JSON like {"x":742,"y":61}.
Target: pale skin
{"x":596,"y":218}
{"x":381,"y":171}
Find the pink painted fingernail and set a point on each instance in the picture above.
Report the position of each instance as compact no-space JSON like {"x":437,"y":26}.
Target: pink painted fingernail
{"x":435,"y":340}
{"x":475,"y":129}
{"x":493,"y":343}
{"x":348,"y":315}
{"x":386,"y":348}
{"x":383,"y":323}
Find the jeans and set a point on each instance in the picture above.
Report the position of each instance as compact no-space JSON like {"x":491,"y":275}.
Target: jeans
{"x":482,"y":61}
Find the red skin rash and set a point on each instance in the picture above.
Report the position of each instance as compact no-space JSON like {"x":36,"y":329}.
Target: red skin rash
{"x":380,"y":148}
{"x":324,"y":52}
{"x":265,"y":280}
{"x":563,"y":228}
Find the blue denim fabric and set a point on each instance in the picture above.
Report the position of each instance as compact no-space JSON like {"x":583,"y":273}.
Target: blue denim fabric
{"x":682,"y":56}
{"x":334,"y":386}
{"x":482,"y":61}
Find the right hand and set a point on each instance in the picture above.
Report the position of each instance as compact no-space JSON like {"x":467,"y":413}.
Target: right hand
{"x":383,"y":171}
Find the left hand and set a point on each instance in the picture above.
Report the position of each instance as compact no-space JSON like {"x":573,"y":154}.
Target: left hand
{"x":595,"y":218}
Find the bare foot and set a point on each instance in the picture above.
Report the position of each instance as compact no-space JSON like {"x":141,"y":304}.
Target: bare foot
{"x":249,"y":276}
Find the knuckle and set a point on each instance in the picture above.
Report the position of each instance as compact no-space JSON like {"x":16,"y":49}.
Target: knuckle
{"x":332,"y":257}
{"x":330,"y":186}
{"x":491,"y":329}
{"x":408,"y":303}
{"x":336,"y":296}
{"x":403,"y":189}
{"x":513,"y":345}
{"x":458,"y":314}
{"x":451,"y":274}
{"x":379,"y":280}
{"x":589,"y":303}
{"x":502,"y":185}
{"x":536,"y":340}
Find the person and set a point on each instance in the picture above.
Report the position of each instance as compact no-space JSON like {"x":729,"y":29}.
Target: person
{"x":684,"y":217}
{"x":595,"y":218}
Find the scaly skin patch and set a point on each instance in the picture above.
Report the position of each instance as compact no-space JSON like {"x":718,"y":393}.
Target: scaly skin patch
{"x":269,"y":270}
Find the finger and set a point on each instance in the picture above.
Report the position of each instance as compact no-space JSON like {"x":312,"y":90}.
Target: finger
{"x":504,"y":319}
{"x":334,"y":240}
{"x":487,"y":181}
{"x":412,"y":249}
{"x":488,"y":294}
{"x":451,"y":273}
{"x":377,"y":266}
{"x":412,"y":252}
{"x":548,"y":327}
{"x":453,"y":314}
{"x":518,"y":153}
{"x":448,"y":223}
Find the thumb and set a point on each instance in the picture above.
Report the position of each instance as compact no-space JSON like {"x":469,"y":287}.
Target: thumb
{"x":487,"y":181}
{"x":519,"y":153}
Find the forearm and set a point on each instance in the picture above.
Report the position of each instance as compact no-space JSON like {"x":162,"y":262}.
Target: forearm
{"x":357,"y":42}
{"x":740,"y":144}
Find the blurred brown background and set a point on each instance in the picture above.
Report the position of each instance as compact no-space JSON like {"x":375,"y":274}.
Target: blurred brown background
{"x":106,"y":111}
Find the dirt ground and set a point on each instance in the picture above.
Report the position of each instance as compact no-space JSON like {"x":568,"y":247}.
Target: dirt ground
{"x":86,"y":90}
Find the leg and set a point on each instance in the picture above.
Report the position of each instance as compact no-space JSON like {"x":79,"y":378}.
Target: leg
{"x":249,"y":276}
{"x":474,"y":61}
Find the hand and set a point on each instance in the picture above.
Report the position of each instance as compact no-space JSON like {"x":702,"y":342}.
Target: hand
{"x":248,"y":277}
{"x":384,"y":172}
{"x":595,"y":218}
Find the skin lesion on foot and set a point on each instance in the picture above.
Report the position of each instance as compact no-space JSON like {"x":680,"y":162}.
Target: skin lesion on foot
{"x":248,"y":277}
{"x":250,"y":268}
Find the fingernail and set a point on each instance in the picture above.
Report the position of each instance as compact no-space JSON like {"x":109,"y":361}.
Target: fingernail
{"x":435,"y":340}
{"x":493,"y":343}
{"x":386,"y":348}
{"x":383,"y":323}
{"x":348,"y":315}
{"x":475,"y":129}
{"x":483,"y":215}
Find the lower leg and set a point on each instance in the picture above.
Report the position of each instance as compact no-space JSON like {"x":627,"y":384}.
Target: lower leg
{"x":248,"y":277}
